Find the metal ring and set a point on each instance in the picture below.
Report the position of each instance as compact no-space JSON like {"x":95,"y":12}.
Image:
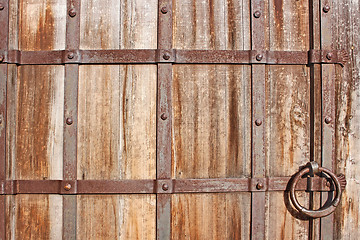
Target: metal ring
{"x":323,"y":211}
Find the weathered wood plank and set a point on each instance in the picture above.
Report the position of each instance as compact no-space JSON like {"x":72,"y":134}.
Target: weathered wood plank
{"x":41,"y":24}
{"x":116,"y":217}
{"x":288,"y":120}
{"x":211,"y":216}
{"x":126,"y":24}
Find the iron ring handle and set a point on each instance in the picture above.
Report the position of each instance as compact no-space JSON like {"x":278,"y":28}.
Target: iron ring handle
{"x":323,"y":211}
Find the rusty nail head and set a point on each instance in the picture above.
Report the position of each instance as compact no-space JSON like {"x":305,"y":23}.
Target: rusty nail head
{"x":258,"y":122}
{"x":165,"y":187}
{"x":72,"y":12}
{"x":69,"y":121}
{"x":328,"y":120}
{"x":259,"y":57}
{"x":71,"y":55}
{"x":164,"y":10}
{"x":166,"y":56}
{"x":329,"y":56}
{"x":257,"y":14}
{"x":163,"y":116}
{"x":67,"y":187}
{"x":326,"y":8}
{"x":1,"y":7}
{"x":259,"y":186}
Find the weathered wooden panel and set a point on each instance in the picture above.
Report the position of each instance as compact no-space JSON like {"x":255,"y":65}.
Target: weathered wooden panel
{"x":41,"y":24}
{"x":114,"y":24}
{"x":116,"y":129}
{"x":347,"y":24}
{"x":34,"y":217}
{"x":116,"y":217}
{"x":211,"y":216}
{"x":211,"y":121}
{"x":288,"y":109}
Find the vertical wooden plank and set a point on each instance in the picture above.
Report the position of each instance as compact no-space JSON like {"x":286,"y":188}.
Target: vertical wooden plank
{"x":288,"y":103}
{"x":346,"y":26}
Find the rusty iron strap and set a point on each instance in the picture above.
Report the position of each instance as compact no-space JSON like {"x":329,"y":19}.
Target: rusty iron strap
{"x":160,"y":186}
{"x":4,"y":22}
{"x":119,"y":56}
{"x":70,"y":115}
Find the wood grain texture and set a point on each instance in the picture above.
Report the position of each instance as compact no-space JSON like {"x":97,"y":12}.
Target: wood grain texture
{"x":114,"y":24}
{"x":41,"y":24}
{"x":202,"y":24}
{"x":288,"y":114}
{"x":346,"y":26}
{"x":116,"y":129}
{"x":116,"y":217}
{"x":211,"y":108}
{"x":211,"y":216}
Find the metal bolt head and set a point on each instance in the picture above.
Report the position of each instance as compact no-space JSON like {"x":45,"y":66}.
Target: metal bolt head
{"x":259,"y":57}
{"x":69,"y":121}
{"x":326,"y":8}
{"x":1,"y":7}
{"x":67,"y":187}
{"x":257,"y":14}
{"x":166,"y":56}
{"x":71,"y":55}
{"x":72,"y":12}
{"x":164,"y":10}
{"x":163,"y":116}
{"x":328,"y":120}
{"x":165,"y":187}
{"x":259,"y":186}
{"x":258,"y":122}
{"x":329,"y":56}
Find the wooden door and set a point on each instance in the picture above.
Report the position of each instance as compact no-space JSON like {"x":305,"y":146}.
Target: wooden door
{"x":177,"y":119}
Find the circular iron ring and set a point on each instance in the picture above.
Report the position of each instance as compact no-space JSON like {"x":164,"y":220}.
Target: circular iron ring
{"x":323,"y":211}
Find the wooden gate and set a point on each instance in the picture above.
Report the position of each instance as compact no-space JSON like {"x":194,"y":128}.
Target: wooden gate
{"x":179,"y":119}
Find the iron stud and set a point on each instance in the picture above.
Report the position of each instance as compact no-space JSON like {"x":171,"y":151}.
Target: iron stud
{"x":71,"y":55}
{"x":259,"y":57}
{"x":67,"y":187}
{"x":166,"y":56}
{"x":69,"y":121}
{"x":259,"y":186}
{"x":329,"y":56}
{"x":164,"y":10}
{"x":257,"y":14}
{"x":258,"y":122}
{"x":163,"y":116}
{"x":72,"y":12}
{"x":165,"y":187}
{"x":328,"y":120}
{"x":326,"y":8}
{"x":1,"y":7}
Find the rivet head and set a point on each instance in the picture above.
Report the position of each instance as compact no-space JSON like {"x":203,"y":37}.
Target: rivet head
{"x":326,"y":8}
{"x":258,"y":122}
{"x":257,"y":14}
{"x":163,"y":116}
{"x":166,"y":56}
{"x":259,"y":57}
{"x":72,"y":12}
{"x":71,"y":55}
{"x":1,"y":7}
{"x":328,"y":120}
{"x":67,"y":187}
{"x":69,"y":121}
{"x":329,"y":56}
{"x":259,"y":186}
{"x":165,"y":187}
{"x":164,"y":10}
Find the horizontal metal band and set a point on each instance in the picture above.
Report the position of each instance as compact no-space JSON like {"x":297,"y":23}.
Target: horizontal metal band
{"x":143,"y":56}
{"x":220,"y":185}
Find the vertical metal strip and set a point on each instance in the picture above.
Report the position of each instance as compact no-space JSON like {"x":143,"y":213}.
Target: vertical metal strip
{"x":71,"y":117}
{"x":328,"y":107}
{"x":164,"y":119}
{"x":4,"y":37}
{"x":258,"y":117}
